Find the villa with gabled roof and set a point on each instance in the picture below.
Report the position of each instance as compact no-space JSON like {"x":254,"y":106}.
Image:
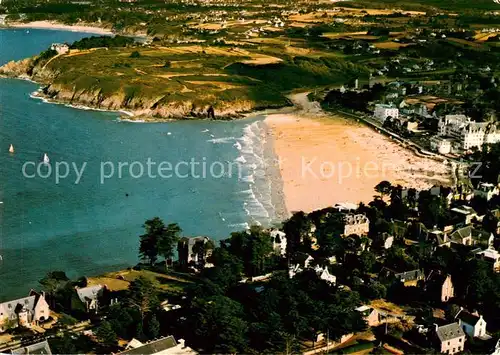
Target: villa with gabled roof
{"x":91,"y":296}
{"x":439,"y":286}
{"x":451,"y":338}
{"x":473,"y":324}
{"x":469,"y":235}
{"x":24,"y":312}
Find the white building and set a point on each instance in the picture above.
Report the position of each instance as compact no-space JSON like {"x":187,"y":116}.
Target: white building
{"x":497,"y":347}
{"x":194,"y":251}
{"x":486,"y":190}
{"x":441,"y":145}
{"x":467,"y":133}
{"x":25,"y":312}
{"x":451,"y":338}
{"x":382,"y":112}
{"x":357,"y":224}
{"x":322,"y":273}
{"x":60,"y":48}
{"x":279,"y":242}
{"x":91,"y":296}
{"x":472,"y":324}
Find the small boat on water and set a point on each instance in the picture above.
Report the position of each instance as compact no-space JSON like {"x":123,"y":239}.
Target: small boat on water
{"x":11,"y":149}
{"x":46,"y":159}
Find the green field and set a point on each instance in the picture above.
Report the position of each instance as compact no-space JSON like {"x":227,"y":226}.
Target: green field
{"x":452,"y":5}
{"x":160,"y":80}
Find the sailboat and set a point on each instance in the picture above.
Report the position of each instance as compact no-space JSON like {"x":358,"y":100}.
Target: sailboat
{"x":46,"y":159}
{"x":11,"y":149}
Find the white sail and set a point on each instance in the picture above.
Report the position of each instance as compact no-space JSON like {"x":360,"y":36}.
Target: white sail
{"x":46,"y":159}
{"x":11,"y":149}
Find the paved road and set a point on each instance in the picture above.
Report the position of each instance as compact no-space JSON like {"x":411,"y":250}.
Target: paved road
{"x":18,"y":343}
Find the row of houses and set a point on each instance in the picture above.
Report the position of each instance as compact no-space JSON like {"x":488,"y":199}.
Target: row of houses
{"x":451,"y":337}
{"x":459,"y":133}
{"x":29,"y":312}
{"x":194,"y":252}
{"x":163,"y":346}
{"x":448,"y":338}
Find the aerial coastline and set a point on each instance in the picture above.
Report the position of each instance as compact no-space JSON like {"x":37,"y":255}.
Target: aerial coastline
{"x":126,"y":116}
{"x":348,"y":202}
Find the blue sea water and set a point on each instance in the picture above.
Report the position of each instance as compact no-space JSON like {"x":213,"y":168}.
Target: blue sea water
{"x":93,"y":227}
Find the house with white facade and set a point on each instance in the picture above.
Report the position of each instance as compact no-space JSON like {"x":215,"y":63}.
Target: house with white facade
{"x":91,"y":297}
{"x":466,"y":133}
{"x":388,"y":240}
{"x":357,"y":224}
{"x":60,"y":48}
{"x":383,"y":111}
{"x":451,"y":338}
{"x":441,"y":145}
{"x":486,"y":191}
{"x":497,"y":346}
{"x":325,"y":275}
{"x":194,"y":251}
{"x":305,"y":261}
{"x":469,"y":235}
{"x":24,"y":312}
{"x":322,"y":273}
{"x":278,"y":239}
{"x":472,"y":324}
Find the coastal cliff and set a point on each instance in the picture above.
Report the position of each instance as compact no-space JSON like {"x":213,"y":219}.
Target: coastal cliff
{"x":21,"y":69}
{"x":140,"y":107}
{"x":181,"y":82}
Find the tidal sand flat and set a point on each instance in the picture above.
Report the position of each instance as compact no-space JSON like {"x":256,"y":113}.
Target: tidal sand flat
{"x":327,"y":160}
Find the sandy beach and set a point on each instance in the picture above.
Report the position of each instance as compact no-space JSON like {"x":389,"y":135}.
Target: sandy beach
{"x":326,"y":160}
{"x":48,"y":25}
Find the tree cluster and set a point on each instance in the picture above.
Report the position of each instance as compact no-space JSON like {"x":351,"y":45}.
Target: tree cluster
{"x":159,"y":240}
{"x":102,"y":41}
{"x":353,"y":100}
